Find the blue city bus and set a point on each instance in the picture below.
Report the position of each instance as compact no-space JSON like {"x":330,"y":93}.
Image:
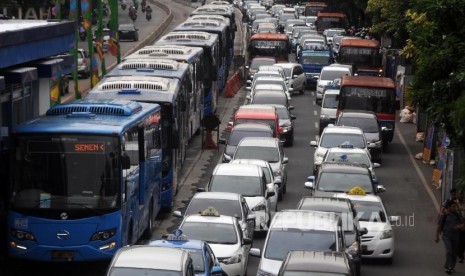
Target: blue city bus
{"x":223,"y":10}
{"x":213,"y":27}
{"x":85,"y":180}
{"x":209,"y":43}
{"x":146,"y":86}
{"x":192,"y":56}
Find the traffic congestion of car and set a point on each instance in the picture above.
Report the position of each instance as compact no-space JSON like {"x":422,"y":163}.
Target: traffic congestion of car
{"x":241,"y":198}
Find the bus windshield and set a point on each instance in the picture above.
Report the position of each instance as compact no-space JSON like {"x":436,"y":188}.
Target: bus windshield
{"x":330,"y":22}
{"x":378,"y":100}
{"x":66,"y":172}
{"x":359,"y":56}
{"x":315,"y":59}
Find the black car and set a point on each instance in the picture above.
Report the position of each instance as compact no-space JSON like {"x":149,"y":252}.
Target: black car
{"x":369,"y":123}
{"x":335,"y":178}
{"x":300,"y":262}
{"x":128,"y":32}
{"x":239,"y":132}
{"x":350,"y":225}
{"x":286,"y":122}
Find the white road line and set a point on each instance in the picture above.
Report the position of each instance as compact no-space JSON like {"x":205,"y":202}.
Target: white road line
{"x":313,"y":93}
{"x":316,"y":124}
{"x":415,"y":165}
{"x":313,"y":102}
{"x":317,"y":137}
{"x":315,"y":112}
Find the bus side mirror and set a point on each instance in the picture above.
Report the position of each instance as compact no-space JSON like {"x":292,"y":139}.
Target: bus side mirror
{"x":125,"y":161}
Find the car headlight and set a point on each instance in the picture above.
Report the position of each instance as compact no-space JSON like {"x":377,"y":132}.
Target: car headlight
{"x":103,"y":235}
{"x":352,"y":250}
{"x":260,"y":207}
{"x":264,"y":273}
{"x":234,"y":259}
{"x":387,"y":234}
{"x":287,"y":128}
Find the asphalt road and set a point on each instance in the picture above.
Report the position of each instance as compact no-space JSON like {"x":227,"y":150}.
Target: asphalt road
{"x":416,"y":253}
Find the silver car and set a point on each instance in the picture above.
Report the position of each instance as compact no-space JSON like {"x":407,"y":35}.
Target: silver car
{"x":295,"y":76}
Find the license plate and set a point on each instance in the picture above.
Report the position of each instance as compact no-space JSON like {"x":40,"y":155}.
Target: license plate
{"x":60,"y":255}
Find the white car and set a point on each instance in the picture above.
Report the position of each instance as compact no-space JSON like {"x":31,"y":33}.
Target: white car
{"x":299,"y":230}
{"x":249,"y":181}
{"x":295,"y":76}
{"x":328,"y":75}
{"x":371,"y":214}
{"x":224,"y":235}
{"x":229,"y":204}
{"x":273,"y":74}
{"x":149,"y":260}
{"x":328,"y":108}
{"x":278,"y":88}
{"x":271,"y":81}
{"x":334,"y":136}
{"x":272,"y":183}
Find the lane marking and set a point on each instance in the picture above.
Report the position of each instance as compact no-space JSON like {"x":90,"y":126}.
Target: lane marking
{"x":315,"y":112}
{"x":417,"y":169}
{"x":316,"y":124}
{"x":313,"y":102}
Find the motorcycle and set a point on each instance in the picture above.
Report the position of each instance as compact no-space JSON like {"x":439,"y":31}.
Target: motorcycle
{"x":143,"y":5}
{"x":148,"y":15}
{"x":133,"y":15}
{"x":123,"y":6}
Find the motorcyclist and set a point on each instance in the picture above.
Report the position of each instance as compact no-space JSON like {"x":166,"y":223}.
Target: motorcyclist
{"x":148,"y":12}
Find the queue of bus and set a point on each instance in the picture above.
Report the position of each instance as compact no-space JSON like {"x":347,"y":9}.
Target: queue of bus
{"x":91,"y":176}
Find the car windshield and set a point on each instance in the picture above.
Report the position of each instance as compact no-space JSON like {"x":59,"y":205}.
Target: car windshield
{"x":270,"y":99}
{"x":223,"y":206}
{"x":315,"y":59}
{"x":369,"y":211}
{"x":368,"y":125}
{"x":237,"y":135}
{"x":130,"y":271}
{"x":223,"y":233}
{"x":343,"y":182}
{"x":259,"y":62}
{"x":331,"y":140}
{"x":263,"y":153}
{"x":330,"y":101}
{"x":282,"y":241}
{"x":126,"y":28}
{"x":332,"y":74}
{"x":283,"y":113}
{"x":350,"y":157}
{"x":197,"y":260}
{"x":244,"y":185}
{"x":287,"y":71}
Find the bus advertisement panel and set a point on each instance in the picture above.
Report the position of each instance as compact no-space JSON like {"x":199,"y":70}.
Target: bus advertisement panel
{"x":85,"y":180}
{"x":270,"y":44}
{"x":376,"y":94}
{"x":363,"y":54}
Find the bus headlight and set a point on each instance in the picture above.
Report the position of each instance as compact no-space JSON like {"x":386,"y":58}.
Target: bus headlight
{"x":22,"y":235}
{"x":103,"y":235}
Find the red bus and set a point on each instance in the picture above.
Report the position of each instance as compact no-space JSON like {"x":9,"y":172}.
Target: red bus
{"x":363,"y":54}
{"x":330,"y":20}
{"x":270,"y":44}
{"x":376,"y":94}
{"x":313,"y":8}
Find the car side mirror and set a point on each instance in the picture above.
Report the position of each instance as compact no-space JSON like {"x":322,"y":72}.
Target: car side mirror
{"x":177,"y":214}
{"x":376,"y":165}
{"x":278,"y":181}
{"x":363,"y":231}
{"x":217,"y":271}
{"x":291,"y":107}
{"x":371,"y":145}
{"x":311,"y":178}
{"x":308,"y":185}
{"x":222,"y":141}
{"x":291,"y":89}
{"x":269,"y":194}
{"x":200,"y":190}
{"x":249,"y":82}
{"x":285,"y":160}
{"x":255,"y":252}
{"x":380,"y":189}
{"x":293,"y":117}
{"x":313,"y":144}
{"x":247,"y":67}
{"x":248,"y":88}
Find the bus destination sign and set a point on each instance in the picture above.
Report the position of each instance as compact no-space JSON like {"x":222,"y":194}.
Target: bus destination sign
{"x":366,"y":92}
{"x":65,"y":147}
